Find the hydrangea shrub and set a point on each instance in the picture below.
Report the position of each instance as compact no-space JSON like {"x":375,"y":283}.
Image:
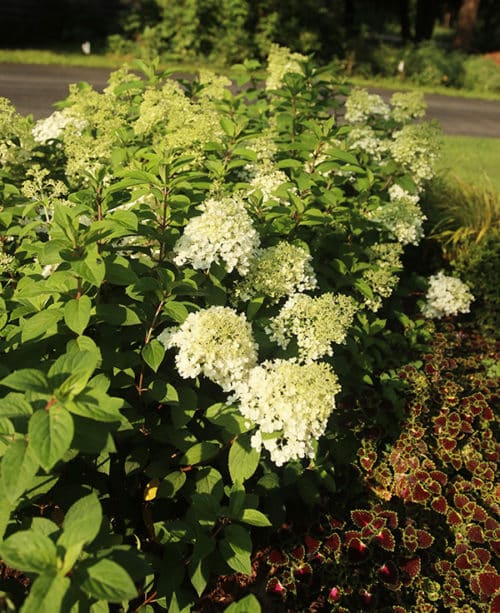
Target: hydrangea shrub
{"x":193,"y":285}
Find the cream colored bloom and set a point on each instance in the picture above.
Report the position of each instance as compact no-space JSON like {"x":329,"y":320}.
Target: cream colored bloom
{"x":290,"y":404}
{"x":316,"y":323}
{"x":223,"y":233}
{"x":446,"y":296}
{"x":277,"y":271}
{"x":216,"y":342}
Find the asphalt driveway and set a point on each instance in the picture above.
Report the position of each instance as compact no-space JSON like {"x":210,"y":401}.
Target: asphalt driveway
{"x":34,"y":88}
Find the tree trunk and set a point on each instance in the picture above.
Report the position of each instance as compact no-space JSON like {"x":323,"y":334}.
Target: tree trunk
{"x":466,"y":24}
{"x":404,"y":19}
{"x":425,"y":18}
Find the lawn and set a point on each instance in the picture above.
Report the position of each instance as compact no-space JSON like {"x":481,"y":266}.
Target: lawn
{"x":473,"y":160}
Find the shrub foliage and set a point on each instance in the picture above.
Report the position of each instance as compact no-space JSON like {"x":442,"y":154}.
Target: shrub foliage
{"x":200,"y":294}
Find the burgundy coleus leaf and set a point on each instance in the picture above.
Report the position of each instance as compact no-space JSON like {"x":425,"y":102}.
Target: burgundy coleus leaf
{"x":418,"y":494}
{"x":303,"y":569}
{"x":495,"y":604}
{"x":447,"y":443}
{"x":483,"y":555}
{"x":298,"y":554}
{"x":411,"y":567}
{"x":388,"y":572}
{"x":439,"y":505}
{"x":460,"y":500}
{"x":487,"y":413}
{"x":489,"y":583}
{"x":385,"y":539}
{"x":367,"y":459}
{"x":443,"y":566}
{"x":479,"y":514}
{"x":333,"y":543}
{"x":453,"y":518}
{"x":475,"y":534}
{"x":439,"y":476}
{"x":378,"y":523}
{"x":467,"y":428}
{"x":425,"y":539}
{"x":334,"y":595}
{"x":391,"y":518}
{"x":366,"y":597}
{"x":361,"y":517}
{"x":336,"y":524}
{"x":357,"y":550}
{"x":312,"y":545}
{"x":277,"y":558}
{"x":274,"y":585}
{"x":462,"y":562}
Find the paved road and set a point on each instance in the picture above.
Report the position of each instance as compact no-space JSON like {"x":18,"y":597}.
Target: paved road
{"x":33,"y":89}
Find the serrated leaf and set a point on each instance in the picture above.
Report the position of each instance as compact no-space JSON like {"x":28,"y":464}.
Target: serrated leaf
{"x":29,"y":551}
{"x":117,"y":315}
{"x":82,"y":522}
{"x":236,"y":549}
{"x":95,"y":405}
{"x":27,"y":379}
{"x":77,"y":314}
{"x":40,"y":324}
{"x":15,"y":405}
{"x":176,"y":311}
{"x":19,"y":466}
{"x":243,"y":459}
{"x":50,"y":435}
{"x":200,"y":452}
{"x":90,"y":269}
{"x":106,"y":580}
{"x":153,"y":354}
{"x":249,"y":604}
{"x":254,"y":518}
{"x":171,"y":484}
{"x":47,"y":594}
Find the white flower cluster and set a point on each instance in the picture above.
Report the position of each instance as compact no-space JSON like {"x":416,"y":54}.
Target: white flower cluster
{"x":53,"y":126}
{"x":223,"y":233}
{"x":381,"y":277}
{"x":281,"y":61}
{"x":365,"y":139}
{"x":407,"y":106}
{"x":216,"y":342}
{"x":266,"y":180}
{"x":291,"y":404}
{"x":361,"y":106}
{"x":277,"y":271}
{"x":316,"y":323}
{"x":416,"y":148}
{"x":401,"y":216}
{"x":446,"y":296}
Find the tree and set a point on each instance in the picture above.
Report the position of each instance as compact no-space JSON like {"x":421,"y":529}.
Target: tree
{"x":466,"y":23}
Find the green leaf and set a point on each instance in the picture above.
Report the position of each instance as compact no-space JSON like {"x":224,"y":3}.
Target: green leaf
{"x":254,"y":306}
{"x":29,"y":551}
{"x":27,"y":379}
{"x":200,"y":566}
{"x":153,"y":354}
{"x":176,"y":311}
{"x":254,"y":518}
{"x":47,"y":594}
{"x":171,"y":484}
{"x":15,"y":405}
{"x":71,"y":372}
{"x":243,"y":459}
{"x":90,"y":269}
{"x":50,"y":434}
{"x":41,"y":324}
{"x":77,"y":314}
{"x":105,"y":580}
{"x":236,"y":549}
{"x":249,"y":604}
{"x":82,"y":522}
{"x":200,"y":452}
{"x":95,"y":405}
{"x":19,"y":466}
{"x":117,"y":315}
